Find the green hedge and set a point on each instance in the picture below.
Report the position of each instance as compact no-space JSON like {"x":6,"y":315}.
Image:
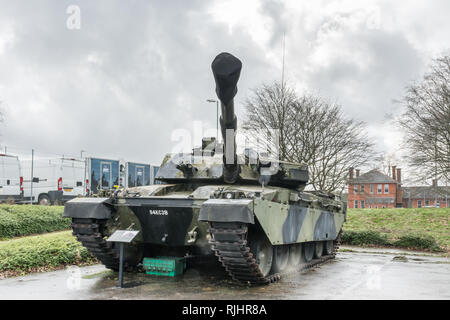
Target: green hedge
{"x":366,"y":237}
{"x":21,"y":220}
{"x":415,"y":241}
{"x":418,"y":228}
{"x":42,"y":252}
{"x":369,"y":237}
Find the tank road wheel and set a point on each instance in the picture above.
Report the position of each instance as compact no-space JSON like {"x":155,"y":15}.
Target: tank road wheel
{"x":246,"y":253}
{"x":328,"y":247}
{"x":318,"y":249}
{"x":295,"y":255}
{"x":263,"y":253}
{"x":280,"y":258}
{"x":308,"y":251}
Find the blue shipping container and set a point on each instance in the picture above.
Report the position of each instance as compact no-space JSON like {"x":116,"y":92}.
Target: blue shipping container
{"x":138,"y":174}
{"x":104,"y":174}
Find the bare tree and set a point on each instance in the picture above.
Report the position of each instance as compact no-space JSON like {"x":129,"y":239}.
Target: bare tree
{"x":270,"y":108}
{"x":384,"y":162}
{"x":311,"y":131}
{"x":426,"y":122}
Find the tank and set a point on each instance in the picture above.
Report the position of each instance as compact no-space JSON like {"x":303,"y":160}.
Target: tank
{"x":249,"y":212}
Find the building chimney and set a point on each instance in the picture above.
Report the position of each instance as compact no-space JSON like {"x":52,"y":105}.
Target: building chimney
{"x":350,"y":173}
{"x":393,"y":173}
{"x":435,"y":183}
{"x":399,"y":175}
{"x":357,"y":172}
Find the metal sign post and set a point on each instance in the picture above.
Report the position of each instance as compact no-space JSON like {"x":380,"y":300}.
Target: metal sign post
{"x":122,"y":237}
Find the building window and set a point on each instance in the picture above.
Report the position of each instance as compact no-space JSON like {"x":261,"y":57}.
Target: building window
{"x":419,"y":203}
{"x":438,"y":203}
{"x":356,"y":203}
{"x":379,"y":188}
{"x":362,"y":204}
{"x":362,"y":188}
{"x":356,"y":189}
{"x":427,"y":202}
{"x":386,"y":188}
{"x":371,"y":188}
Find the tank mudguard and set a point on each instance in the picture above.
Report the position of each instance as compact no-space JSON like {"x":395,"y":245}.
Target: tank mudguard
{"x":227,"y":210}
{"x":286,"y":224}
{"x":94,"y":208}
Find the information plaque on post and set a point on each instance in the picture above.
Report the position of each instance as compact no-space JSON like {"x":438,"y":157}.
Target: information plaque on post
{"x":122,"y":236}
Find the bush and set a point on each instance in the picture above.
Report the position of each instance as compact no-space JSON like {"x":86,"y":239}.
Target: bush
{"x":414,"y":241}
{"x":364,"y":237}
{"x":42,"y":252}
{"x":21,"y":220}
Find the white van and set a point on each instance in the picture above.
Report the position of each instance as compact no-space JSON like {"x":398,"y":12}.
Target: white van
{"x":73,"y":178}
{"x":11,"y":180}
{"x":59,"y":179}
{"x":45,"y":183}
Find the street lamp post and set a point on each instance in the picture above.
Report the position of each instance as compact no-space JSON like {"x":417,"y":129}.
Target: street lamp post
{"x":85,"y":168}
{"x":217,"y":116}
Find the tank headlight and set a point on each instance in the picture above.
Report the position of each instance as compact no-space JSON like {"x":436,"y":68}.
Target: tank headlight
{"x":229,"y":195}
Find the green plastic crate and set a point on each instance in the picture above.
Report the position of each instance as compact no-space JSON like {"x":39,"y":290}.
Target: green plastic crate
{"x":164,"y":266}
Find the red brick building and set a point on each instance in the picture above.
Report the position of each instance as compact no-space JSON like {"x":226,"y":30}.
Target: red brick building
{"x":374,"y":189}
{"x":429,"y":196}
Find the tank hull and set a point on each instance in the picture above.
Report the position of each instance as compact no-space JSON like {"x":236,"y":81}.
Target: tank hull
{"x":202,"y":221}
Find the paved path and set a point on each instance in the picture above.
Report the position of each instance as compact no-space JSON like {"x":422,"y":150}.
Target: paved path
{"x":357,"y":274}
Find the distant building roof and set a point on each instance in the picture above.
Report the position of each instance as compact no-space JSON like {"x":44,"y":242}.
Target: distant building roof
{"x":427,"y":192}
{"x":373,"y":176}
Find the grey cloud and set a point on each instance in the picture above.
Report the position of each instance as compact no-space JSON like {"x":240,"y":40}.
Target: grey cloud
{"x":138,"y":70}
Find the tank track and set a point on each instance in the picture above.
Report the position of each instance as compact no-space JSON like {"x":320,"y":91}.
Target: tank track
{"x":229,"y":244}
{"x":90,"y":233}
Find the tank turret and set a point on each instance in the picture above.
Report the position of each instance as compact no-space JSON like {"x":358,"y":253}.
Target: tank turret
{"x":208,"y":163}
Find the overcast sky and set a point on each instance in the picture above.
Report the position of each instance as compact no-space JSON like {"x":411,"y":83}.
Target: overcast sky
{"x":135,"y":71}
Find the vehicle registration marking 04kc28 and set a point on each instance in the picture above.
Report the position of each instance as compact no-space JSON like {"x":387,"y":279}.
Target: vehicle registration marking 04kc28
{"x":158,"y":212}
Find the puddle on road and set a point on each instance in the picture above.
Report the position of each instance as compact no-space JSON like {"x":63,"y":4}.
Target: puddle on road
{"x":360,"y":274}
{"x":98,"y":274}
{"x":400,"y":259}
{"x":419,"y":260}
{"x":208,"y":282}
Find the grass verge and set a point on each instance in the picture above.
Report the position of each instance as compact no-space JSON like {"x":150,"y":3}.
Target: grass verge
{"x":22,"y":220}
{"x":42,"y":253}
{"x":420,"y":229}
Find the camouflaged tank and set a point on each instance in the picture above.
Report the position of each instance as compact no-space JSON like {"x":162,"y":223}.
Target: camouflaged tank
{"x":251,"y":212}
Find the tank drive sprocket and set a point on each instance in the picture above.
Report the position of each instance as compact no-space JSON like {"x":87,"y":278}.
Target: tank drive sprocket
{"x":92,"y":234}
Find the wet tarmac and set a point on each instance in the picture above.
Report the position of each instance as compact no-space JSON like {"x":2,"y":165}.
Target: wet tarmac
{"x":356,"y":273}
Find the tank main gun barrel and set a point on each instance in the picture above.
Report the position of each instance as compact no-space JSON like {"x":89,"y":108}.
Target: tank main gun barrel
{"x":226,"y":69}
